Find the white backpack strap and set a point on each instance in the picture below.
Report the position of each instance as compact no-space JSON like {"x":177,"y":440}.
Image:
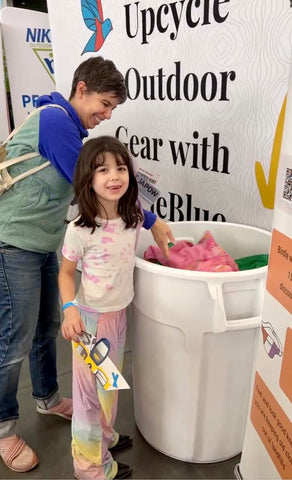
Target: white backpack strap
{"x":26,"y":156}
{"x":11,"y":181}
{"x":31,"y":114}
{"x":12,"y":161}
{"x":16,"y":129}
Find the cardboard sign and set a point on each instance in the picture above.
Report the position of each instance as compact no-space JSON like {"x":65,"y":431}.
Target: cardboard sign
{"x":95,"y":354}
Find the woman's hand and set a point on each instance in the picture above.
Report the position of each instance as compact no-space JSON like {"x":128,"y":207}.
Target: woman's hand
{"x":162,"y":235}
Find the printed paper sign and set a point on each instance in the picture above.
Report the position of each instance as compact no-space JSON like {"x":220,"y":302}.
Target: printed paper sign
{"x":147,"y":185}
{"x":273,"y":426}
{"x":95,"y":354}
{"x":279,"y":280}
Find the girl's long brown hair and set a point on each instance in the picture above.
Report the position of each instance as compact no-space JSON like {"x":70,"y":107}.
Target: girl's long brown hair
{"x":91,"y":156}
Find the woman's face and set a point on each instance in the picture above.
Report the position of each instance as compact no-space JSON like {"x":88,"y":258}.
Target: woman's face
{"x":91,"y":107}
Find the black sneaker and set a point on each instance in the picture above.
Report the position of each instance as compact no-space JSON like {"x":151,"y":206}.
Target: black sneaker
{"x":125,"y":441}
{"x":123,"y":471}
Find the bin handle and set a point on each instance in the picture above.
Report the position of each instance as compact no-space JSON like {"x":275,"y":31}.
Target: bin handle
{"x":220,"y":322}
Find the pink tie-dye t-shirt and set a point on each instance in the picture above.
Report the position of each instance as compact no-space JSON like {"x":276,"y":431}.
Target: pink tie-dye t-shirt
{"x":108,"y":258}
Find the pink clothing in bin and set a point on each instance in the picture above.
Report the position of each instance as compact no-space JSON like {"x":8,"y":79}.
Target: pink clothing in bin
{"x":205,"y":256}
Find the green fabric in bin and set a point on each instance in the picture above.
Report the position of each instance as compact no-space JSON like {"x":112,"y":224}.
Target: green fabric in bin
{"x":254,"y":261}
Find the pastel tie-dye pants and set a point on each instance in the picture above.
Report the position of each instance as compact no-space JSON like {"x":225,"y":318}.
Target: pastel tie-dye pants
{"x":95,"y":409}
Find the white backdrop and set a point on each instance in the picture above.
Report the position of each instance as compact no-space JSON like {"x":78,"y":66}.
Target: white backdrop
{"x":206,"y":87}
{"x":29,"y":57}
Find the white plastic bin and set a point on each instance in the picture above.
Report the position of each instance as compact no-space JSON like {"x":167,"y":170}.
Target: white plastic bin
{"x":194,"y":339}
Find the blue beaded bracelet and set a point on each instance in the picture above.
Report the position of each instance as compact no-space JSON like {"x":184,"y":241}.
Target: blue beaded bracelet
{"x":68,"y":304}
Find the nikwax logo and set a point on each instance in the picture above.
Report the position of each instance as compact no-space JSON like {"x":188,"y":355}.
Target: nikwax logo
{"x":39,"y":40}
{"x":38,"y":35}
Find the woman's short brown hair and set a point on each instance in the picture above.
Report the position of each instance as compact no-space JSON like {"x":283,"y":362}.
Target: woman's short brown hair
{"x":100,"y":76}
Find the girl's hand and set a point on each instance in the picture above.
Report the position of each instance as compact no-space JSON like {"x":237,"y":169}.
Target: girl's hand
{"x":72,"y":325}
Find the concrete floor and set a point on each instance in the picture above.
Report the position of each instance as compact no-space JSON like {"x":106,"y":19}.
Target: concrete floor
{"x":50,"y":436}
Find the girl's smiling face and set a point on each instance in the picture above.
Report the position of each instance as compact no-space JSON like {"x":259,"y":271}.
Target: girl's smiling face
{"x":110,"y":182}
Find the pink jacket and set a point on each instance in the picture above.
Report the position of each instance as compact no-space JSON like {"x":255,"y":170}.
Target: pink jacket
{"x":205,"y":256}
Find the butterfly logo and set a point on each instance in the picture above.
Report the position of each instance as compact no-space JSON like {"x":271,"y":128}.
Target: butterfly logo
{"x":93,"y":19}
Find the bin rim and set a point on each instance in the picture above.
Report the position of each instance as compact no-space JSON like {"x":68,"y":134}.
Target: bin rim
{"x":165,"y":271}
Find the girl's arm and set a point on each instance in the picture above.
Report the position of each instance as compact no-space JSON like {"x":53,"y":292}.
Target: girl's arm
{"x":72,"y":324}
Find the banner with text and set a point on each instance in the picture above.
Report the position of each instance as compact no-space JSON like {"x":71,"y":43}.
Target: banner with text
{"x":29,"y":57}
{"x":207,"y":83}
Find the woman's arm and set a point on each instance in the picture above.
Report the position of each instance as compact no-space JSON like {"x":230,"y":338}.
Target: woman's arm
{"x":162,"y":235}
{"x":149,"y":219}
{"x":59,"y":140}
{"x":161,"y":232}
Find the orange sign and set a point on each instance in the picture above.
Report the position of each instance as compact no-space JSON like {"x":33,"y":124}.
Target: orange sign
{"x":279,"y":280}
{"x":273,"y":427}
{"x":286,"y":368}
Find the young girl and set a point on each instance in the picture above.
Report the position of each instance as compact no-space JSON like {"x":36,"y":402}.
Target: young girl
{"x":103,"y":238}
